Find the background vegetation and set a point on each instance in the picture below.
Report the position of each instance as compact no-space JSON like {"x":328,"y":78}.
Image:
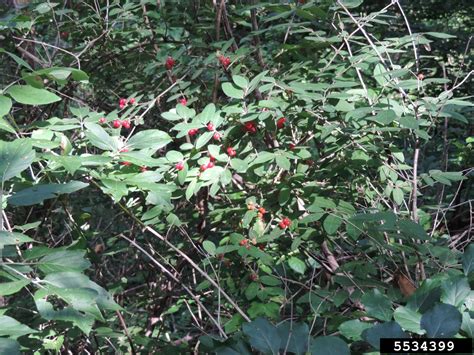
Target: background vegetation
{"x":234,"y":176}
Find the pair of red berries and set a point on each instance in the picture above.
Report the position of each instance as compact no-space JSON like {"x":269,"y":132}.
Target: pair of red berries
{"x":183,"y":101}
{"x":210,"y":127}
{"x":225,"y":61}
{"x":231,"y":152}
{"x":123,"y":102}
{"x":179,"y":166}
{"x":285,"y":223}
{"x":250,"y":127}
{"x":209,"y":165}
{"x":118,"y":124}
{"x":193,"y":132}
{"x":170,"y":62}
{"x":281,"y":122}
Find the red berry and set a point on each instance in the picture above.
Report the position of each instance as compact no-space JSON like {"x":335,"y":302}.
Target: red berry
{"x":116,"y":124}
{"x":261,"y":247}
{"x":193,"y":131}
{"x":262,"y":210}
{"x":225,"y":61}
{"x":231,"y":152}
{"x":170,"y":62}
{"x":126,"y":124}
{"x":210,"y":165}
{"x":203,"y":167}
{"x":281,"y":122}
{"x":210,"y":126}
{"x":123,"y":150}
{"x":212,"y":158}
{"x":122,"y":102}
{"x":282,"y":225}
{"x":143,"y":169}
{"x":243,"y":242}
{"x":216,"y":136}
{"x":102,"y":120}
{"x":250,"y":127}
{"x":287,"y":221}
{"x":292,"y":146}
{"x":125,"y":163}
{"x":253,"y":277}
{"x":179,"y":166}
{"x":65,"y":34}
{"x":183,"y":101}
{"x":131,"y":101}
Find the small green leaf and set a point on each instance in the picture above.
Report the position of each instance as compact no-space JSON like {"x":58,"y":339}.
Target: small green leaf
{"x":209,"y":246}
{"x":297,"y":265}
{"x":232,"y":91}
{"x":5,"y":105}
{"x":9,"y":288}
{"x":15,"y":157}
{"x":39,"y":193}
{"x":331,"y":224}
{"x":377,"y":305}
{"x":240,"y":81}
{"x":329,"y":345}
{"x":283,"y":162}
{"x":441,"y":321}
{"x":28,"y":95}
{"x":11,"y":327}
{"x":383,"y":330}
{"x":151,"y":138}
{"x":263,"y":336}
{"x":408,"y":319}
{"x":99,"y":138}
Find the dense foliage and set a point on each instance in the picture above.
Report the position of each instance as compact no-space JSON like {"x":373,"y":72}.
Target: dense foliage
{"x":234,"y":177}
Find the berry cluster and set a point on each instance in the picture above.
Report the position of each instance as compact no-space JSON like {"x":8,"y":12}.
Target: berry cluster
{"x":170,"y":62}
{"x":118,"y":124}
{"x":281,"y":122}
{"x":225,"y":61}
{"x":285,"y":223}
{"x":123,"y":102}
{"x":250,"y":127}
{"x":231,"y":152}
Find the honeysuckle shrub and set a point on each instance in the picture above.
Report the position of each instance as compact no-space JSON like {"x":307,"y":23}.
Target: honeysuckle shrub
{"x":231,"y":178}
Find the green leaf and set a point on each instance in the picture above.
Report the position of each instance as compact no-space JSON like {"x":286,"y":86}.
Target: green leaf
{"x":99,"y":138}
{"x":151,"y":138}
{"x":232,"y":91}
{"x":353,"y":329}
{"x":11,"y":327}
{"x":251,"y":291}
{"x":441,"y":321}
{"x":297,"y":265}
{"x":283,"y":162}
{"x":331,"y":224}
{"x":9,"y":346}
{"x":440,"y":35}
{"x":455,"y":290}
{"x":385,"y":117}
{"x":5,"y":105}
{"x":64,"y":260}
{"x":397,"y":194}
{"x":239,"y":165}
{"x":28,"y":95}
{"x":383,"y":330}
{"x":203,"y":139}
{"x":468,"y":259}
{"x":425,"y":296}
{"x":408,"y":319}
{"x":39,"y":193}
{"x":209,"y":246}
{"x":240,"y":81}
{"x":5,"y":126}
{"x":263,"y":336}
{"x":76,"y":280}
{"x":15,"y":157}
{"x":9,"y":288}
{"x":377,"y":305}
{"x":412,"y":230}
{"x":294,"y":337}
{"x":329,"y":345}
{"x":13,"y":238}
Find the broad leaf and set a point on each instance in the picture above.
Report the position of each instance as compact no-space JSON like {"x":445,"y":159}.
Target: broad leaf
{"x":28,"y":95}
